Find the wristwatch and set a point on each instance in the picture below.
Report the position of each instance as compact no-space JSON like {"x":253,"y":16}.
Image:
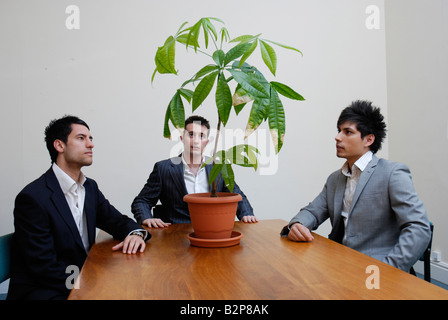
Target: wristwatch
{"x":138,"y":233}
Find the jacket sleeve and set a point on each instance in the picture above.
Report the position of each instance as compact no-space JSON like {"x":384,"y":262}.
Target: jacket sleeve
{"x":415,"y":232}
{"x":35,"y":244}
{"x":312,"y":215}
{"x":244,"y":207}
{"x":148,"y":196}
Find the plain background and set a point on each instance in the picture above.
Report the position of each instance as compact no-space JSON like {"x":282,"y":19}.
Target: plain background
{"x":102,"y":72}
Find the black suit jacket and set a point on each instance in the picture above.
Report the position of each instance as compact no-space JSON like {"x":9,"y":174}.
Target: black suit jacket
{"x":46,"y":240}
{"x":166,"y":183}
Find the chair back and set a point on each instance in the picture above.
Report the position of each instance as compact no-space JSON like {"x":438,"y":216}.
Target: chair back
{"x":5,"y":256}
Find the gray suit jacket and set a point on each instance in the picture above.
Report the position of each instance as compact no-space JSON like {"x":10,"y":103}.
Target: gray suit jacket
{"x":167,"y":184}
{"x":387,"y":220}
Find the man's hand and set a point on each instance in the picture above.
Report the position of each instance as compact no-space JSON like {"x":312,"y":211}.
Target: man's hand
{"x":156,"y":223}
{"x":249,"y":219}
{"x":299,"y":232}
{"x":131,"y":244}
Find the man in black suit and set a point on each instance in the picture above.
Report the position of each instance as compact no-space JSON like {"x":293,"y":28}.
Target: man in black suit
{"x":55,"y":218}
{"x":172,"y":179}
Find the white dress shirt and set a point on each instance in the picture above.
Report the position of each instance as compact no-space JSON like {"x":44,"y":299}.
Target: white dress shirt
{"x":195,"y":183}
{"x":352,"y":181}
{"x":75,"y":194}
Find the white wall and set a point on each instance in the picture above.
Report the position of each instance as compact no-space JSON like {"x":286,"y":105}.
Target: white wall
{"x":102,"y":72}
{"x":417,"y":76}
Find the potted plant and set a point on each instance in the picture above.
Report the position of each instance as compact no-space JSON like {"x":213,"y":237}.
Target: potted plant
{"x":223,"y":69}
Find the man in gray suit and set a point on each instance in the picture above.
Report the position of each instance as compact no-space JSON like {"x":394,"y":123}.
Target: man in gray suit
{"x":371,"y":202}
{"x":173,"y":178}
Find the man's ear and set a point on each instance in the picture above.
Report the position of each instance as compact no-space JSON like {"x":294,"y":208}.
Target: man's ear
{"x":369,"y":139}
{"x":59,"y":145}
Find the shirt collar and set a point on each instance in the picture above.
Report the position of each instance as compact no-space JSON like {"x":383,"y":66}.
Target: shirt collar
{"x":361,"y":163}
{"x":187,"y":167}
{"x":65,"y":181}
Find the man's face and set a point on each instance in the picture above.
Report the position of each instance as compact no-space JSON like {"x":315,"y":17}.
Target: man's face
{"x":78,"y":149}
{"x":195,"y":139}
{"x":349,"y":144}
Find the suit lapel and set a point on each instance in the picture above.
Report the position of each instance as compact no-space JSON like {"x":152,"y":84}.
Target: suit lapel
{"x":363,"y":179}
{"x":90,"y":212}
{"x":339,"y":197}
{"x":61,"y":205}
{"x":177,"y":174}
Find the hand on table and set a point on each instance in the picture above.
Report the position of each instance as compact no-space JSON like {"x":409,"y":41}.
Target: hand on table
{"x":298,"y":232}
{"x":156,"y":223}
{"x":249,"y":219}
{"x":131,"y":244}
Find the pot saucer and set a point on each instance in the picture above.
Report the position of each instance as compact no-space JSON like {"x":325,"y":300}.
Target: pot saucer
{"x":215,"y":243}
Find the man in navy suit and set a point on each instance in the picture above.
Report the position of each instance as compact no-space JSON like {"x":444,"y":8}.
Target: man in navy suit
{"x":173,"y":178}
{"x":55,"y":218}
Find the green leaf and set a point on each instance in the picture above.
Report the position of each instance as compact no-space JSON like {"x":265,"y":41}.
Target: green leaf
{"x":248,"y":52}
{"x":209,"y":28}
{"x":186,"y":93}
{"x":203,"y":89}
{"x":216,"y":19}
{"x":183,"y":38}
{"x":193,"y":36}
{"x":251,"y":82}
{"x":245,"y":38}
{"x":286,"y":91}
{"x":236,"y":52}
{"x":214,"y":172}
{"x":177,"y":111}
{"x":243,"y":155}
{"x":258,"y":113}
{"x":223,"y":99}
{"x":165,"y":57}
{"x":240,"y":98}
{"x":276,"y":121}
{"x":218,"y":57}
{"x":204,"y":71}
{"x":224,"y":34}
{"x":239,"y":107}
{"x":284,"y":46}
{"x":228,"y":176}
{"x":166,"y":128}
{"x":269,"y":56}
{"x":179,"y":31}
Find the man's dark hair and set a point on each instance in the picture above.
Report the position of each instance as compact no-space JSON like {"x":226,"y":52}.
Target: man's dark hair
{"x":59,"y":129}
{"x":202,"y":120}
{"x":368,"y":120}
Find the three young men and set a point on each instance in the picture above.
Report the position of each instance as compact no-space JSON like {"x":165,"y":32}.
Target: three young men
{"x":371,"y":202}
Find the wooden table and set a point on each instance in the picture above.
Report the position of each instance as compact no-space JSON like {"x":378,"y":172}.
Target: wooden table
{"x":262,"y":266}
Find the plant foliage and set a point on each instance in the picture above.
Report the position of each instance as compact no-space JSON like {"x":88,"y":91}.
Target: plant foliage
{"x":224,"y":67}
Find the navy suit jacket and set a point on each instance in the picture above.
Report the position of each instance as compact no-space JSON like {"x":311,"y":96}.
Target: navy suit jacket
{"x":46,"y":239}
{"x":166,"y":183}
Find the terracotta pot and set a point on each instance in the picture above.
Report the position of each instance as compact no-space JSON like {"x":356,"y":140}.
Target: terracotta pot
{"x":213,"y":217}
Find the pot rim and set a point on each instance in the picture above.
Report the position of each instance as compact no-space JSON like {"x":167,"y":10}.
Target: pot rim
{"x":204,"y":197}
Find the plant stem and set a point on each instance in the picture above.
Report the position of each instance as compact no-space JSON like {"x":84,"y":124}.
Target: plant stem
{"x":215,"y":183}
